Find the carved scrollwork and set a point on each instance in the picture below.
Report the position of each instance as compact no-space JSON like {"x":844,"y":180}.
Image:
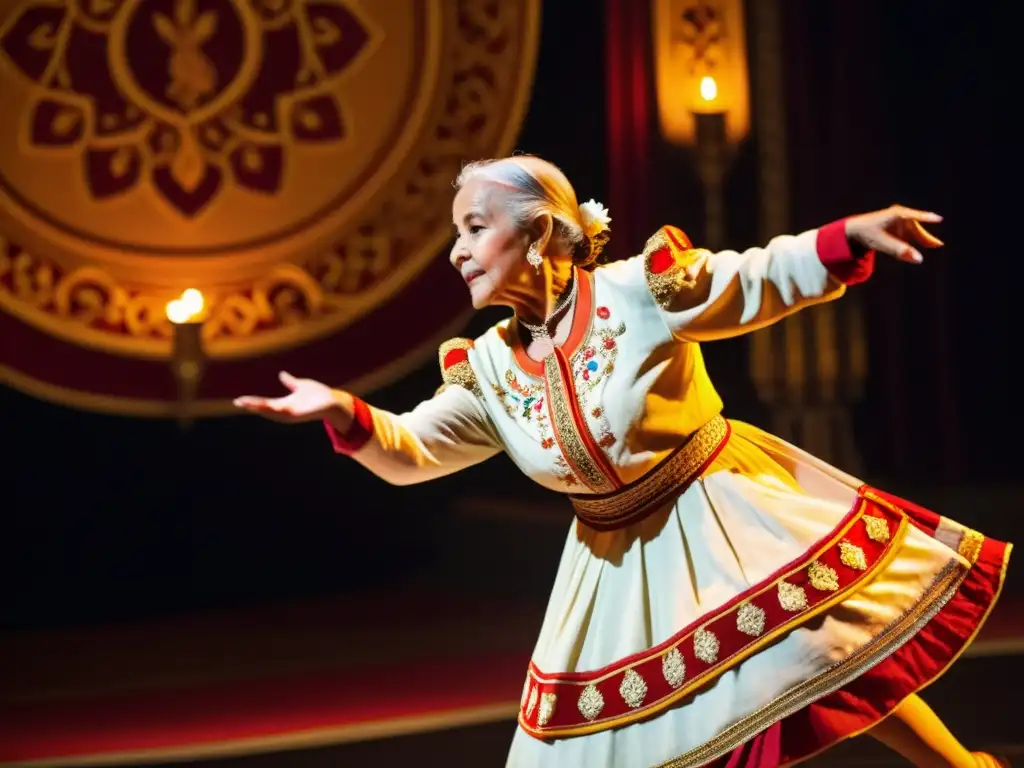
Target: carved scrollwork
{"x":208,"y":138}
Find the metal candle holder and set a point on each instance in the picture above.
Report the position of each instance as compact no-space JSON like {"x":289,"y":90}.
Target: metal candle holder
{"x":188,"y":360}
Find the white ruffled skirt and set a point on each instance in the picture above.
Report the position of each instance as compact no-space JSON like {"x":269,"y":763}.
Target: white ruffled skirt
{"x":762,"y":507}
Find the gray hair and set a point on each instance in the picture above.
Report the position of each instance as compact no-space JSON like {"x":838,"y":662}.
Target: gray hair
{"x":534,"y":187}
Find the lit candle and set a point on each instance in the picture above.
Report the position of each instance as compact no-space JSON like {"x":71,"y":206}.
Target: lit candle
{"x":708,"y":89}
{"x":187,"y":308}
{"x":709,"y":116}
{"x":187,"y":313}
{"x":712,"y":159}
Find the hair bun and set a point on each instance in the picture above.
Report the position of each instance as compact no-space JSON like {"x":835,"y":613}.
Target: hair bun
{"x":585,"y":254}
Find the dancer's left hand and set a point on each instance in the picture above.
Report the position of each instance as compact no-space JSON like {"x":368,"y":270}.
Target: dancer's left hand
{"x":894,"y":231}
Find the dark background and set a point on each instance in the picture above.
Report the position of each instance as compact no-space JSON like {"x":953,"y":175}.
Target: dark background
{"x":110,"y":519}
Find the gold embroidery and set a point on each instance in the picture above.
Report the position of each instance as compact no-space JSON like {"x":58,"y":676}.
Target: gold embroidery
{"x":591,"y":702}
{"x":970,"y":545}
{"x":633,"y":688}
{"x":791,"y":597}
{"x":665,"y":284}
{"x":658,"y":484}
{"x":655,"y":242}
{"x":729,"y":649}
{"x":852,"y":556}
{"x":526,"y":690}
{"x":673,"y":668}
{"x":456,"y":370}
{"x":705,"y":646}
{"x":882,"y":646}
{"x":750,"y":620}
{"x":878,"y":528}
{"x":532,"y":702}
{"x":823,"y":578}
{"x":565,"y":428}
{"x":547,"y":708}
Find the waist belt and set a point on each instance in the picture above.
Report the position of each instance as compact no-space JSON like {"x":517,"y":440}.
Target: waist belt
{"x":667,"y":481}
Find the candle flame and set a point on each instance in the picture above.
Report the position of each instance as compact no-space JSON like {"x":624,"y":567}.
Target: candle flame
{"x":708,"y":88}
{"x":186,"y":308}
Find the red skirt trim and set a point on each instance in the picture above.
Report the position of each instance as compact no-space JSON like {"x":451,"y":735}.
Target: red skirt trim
{"x":872,"y":696}
{"x":641,"y":686}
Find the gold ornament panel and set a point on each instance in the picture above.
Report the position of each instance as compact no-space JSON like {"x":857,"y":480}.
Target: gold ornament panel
{"x":292,"y":159}
{"x":694,"y":39}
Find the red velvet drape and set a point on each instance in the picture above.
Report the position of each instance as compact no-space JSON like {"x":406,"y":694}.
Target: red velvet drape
{"x":629,"y":119}
{"x":845,"y":149}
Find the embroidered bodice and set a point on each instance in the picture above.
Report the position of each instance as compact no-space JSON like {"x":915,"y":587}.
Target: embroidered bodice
{"x":629,"y":384}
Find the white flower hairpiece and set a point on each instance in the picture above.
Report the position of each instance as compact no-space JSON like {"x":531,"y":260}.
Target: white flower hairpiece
{"x":594,"y":218}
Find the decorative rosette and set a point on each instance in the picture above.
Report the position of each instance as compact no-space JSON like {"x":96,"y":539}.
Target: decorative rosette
{"x":594,"y":220}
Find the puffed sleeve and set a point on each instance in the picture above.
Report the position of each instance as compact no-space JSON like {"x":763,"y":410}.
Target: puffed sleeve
{"x":448,"y":432}
{"x":705,"y":296}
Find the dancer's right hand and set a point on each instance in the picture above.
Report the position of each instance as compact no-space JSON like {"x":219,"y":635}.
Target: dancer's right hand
{"x":307,"y":400}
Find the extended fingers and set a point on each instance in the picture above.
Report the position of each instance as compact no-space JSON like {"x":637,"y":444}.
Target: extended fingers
{"x":892,"y":246}
{"x":250,"y":401}
{"x":280,"y":405}
{"x":915,"y":231}
{"x":288,"y":380}
{"x":912,"y":214}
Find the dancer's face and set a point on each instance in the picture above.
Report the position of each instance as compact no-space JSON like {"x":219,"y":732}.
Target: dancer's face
{"x":490,"y":252}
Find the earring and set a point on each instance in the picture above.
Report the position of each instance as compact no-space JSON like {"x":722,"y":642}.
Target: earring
{"x":533,"y":256}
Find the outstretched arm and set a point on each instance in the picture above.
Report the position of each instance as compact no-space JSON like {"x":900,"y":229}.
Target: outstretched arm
{"x":706,"y":296}
{"x":449,"y":432}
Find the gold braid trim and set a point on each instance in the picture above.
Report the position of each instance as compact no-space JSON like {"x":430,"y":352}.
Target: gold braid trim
{"x":455,"y":367}
{"x":665,"y":281}
{"x":652,"y":491}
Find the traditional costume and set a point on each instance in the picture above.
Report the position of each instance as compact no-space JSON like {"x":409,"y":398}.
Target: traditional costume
{"x":722,"y":595}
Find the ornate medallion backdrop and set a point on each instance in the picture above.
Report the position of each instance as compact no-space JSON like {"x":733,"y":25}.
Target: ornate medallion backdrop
{"x":292,"y":159}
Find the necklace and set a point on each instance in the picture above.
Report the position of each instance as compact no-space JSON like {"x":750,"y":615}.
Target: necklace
{"x":541,"y":331}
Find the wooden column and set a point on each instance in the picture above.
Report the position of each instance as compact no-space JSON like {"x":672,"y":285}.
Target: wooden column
{"x":808,"y":369}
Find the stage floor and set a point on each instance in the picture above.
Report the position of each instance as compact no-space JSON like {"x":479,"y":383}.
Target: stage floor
{"x":349,"y":681}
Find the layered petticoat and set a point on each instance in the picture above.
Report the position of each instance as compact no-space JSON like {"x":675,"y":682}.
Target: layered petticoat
{"x":776,"y":607}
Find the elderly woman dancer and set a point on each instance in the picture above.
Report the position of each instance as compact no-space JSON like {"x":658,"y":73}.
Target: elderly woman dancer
{"x":723,"y":597}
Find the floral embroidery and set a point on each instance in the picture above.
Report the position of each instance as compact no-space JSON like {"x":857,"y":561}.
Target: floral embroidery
{"x":706,"y":646}
{"x":547,"y":708}
{"x":633,"y":689}
{"x":852,"y":556}
{"x":526,"y":402}
{"x":529,"y":398}
{"x":532,"y":702}
{"x":792,"y":597}
{"x":878,"y":528}
{"x":673,"y":667}
{"x":591,"y":702}
{"x":750,"y":620}
{"x":823,"y":578}
{"x":591,"y":364}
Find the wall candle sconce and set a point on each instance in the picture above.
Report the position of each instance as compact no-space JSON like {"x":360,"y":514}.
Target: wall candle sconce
{"x":188,"y":361}
{"x":700,"y":64}
{"x":714,"y":155}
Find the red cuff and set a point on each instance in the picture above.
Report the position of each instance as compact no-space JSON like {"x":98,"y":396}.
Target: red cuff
{"x":843,"y":261}
{"x":358,"y":433}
